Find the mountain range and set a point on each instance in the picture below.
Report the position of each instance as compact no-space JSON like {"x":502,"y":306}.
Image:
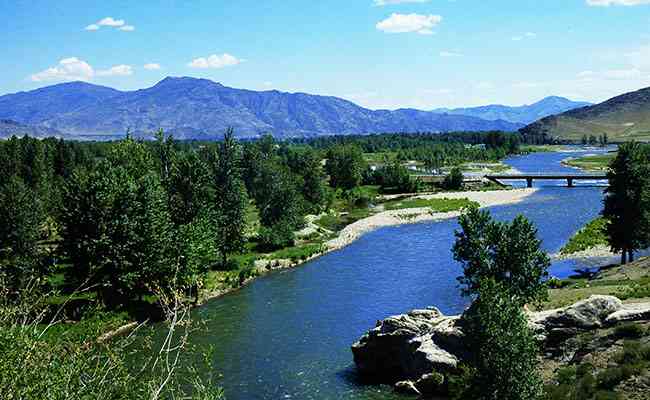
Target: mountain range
{"x":191,"y":108}
{"x":622,"y":118}
{"x":522,"y":114}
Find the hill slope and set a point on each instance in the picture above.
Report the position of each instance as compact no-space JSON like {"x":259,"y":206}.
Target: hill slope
{"x":625,"y":117}
{"x":202,"y":109}
{"x":522,"y":114}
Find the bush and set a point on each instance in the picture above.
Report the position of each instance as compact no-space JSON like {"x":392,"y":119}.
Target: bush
{"x":276,"y":237}
{"x":609,"y":378}
{"x":555,"y":283}
{"x":359,"y":197}
{"x":603,"y":395}
{"x":633,"y":353}
{"x":630,"y":331}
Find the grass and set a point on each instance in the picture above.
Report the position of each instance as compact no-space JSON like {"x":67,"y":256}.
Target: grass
{"x":631,"y":281}
{"x":542,"y":148}
{"x":436,"y":205}
{"x":592,"y":163}
{"x":592,"y":235}
{"x":298,"y":253}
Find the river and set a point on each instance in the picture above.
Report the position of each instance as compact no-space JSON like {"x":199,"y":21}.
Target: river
{"x":287,"y":335}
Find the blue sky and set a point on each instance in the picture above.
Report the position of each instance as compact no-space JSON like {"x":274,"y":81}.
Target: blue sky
{"x":377,"y":53}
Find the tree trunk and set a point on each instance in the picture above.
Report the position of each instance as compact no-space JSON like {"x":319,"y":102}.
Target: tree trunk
{"x":623,"y":257}
{"x":631,"y":256}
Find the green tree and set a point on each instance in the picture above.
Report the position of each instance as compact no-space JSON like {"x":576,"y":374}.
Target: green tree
{"x":345,"y":166}
{"x":190,"y":186}
{"x":509,"y":253}
{"x":197,"y":251}
{"x":231,"y":199}
{"x":22,"y":216}
{"x":306,"y":165}
{"x":502,"y":347}
{"x":117,"y":233}
{"x":133,"y":156}
{"x":454,"y":181}
{"x":394,"y":177}
{"x":627,"y":200}
{"x":279,"y":204}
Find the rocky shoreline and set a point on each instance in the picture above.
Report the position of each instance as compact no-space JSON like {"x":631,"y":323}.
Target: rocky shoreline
{"x":417,"y":351}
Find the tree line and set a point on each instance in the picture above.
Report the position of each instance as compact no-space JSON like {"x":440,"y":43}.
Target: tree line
{"x":126,"y":218}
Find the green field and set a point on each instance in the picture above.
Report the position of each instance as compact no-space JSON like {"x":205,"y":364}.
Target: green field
{"x":592,"y":163}
{"x":436,"y":205}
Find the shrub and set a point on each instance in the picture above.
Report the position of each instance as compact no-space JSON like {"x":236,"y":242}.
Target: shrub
{"x":611,"y":377}
{"x":276,"y":237}
{"x":566,"y":375}
{"x":604,"y":395}
{"x":630,"y":331}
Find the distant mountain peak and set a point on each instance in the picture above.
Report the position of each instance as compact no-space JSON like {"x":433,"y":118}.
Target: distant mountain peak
{"x":193,"y":108}
{"x":518,"y":114}
{"x":186,"y":80}
{"x":624,"y":117}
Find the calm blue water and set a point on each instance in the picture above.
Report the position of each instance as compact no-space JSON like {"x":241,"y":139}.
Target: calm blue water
{"x":288,"y":335}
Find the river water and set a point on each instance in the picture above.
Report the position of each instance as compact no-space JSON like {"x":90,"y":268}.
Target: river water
{"x":288,"y":335}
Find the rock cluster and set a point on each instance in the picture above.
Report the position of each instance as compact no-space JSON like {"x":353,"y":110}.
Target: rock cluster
{"x":414,"y":351}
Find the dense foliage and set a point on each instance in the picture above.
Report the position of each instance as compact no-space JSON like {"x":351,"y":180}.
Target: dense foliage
{"x":122,"y":226}
{"x":507,"y":252}
{"x":627,"y":200}
{"x":504,"y":268}
{"x":503,"y":348}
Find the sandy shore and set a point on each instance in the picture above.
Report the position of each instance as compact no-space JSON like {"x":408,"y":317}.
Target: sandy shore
{"x":414,"y":215}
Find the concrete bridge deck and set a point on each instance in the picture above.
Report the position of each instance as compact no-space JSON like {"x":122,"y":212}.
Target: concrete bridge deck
{"x":530,"y":177}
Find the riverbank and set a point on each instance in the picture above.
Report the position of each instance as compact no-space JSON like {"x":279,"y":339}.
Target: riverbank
{"x":381,"y":219}
{"x":591,"y":162}
{"x":416,"y":215}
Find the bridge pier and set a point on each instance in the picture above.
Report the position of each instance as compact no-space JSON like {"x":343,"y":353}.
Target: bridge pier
{"x":529,"y":182}
{"x":570,"y":182}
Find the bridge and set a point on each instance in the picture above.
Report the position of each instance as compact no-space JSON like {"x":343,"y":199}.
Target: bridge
{"x":570,"y":178}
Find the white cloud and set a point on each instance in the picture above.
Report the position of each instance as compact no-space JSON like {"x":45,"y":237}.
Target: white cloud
{"x":109,"y":21}
{"x":68,"y":69}
{"x":74,"y":69}
{"x":450,"y":54}
{"x":119,"y":24}
{"x":152,"y":66}
{"x":527,"y":35}
{"x":403,"y":23}
{"x":118,"y":70}
{"x":381,"y":3}
{"x":215,"y":61}
{"x":607,"y":3}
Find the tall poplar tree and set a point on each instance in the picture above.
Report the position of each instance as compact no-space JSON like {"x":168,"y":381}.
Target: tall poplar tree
{"x":231,"y":199}
{"x":627,"y":200}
